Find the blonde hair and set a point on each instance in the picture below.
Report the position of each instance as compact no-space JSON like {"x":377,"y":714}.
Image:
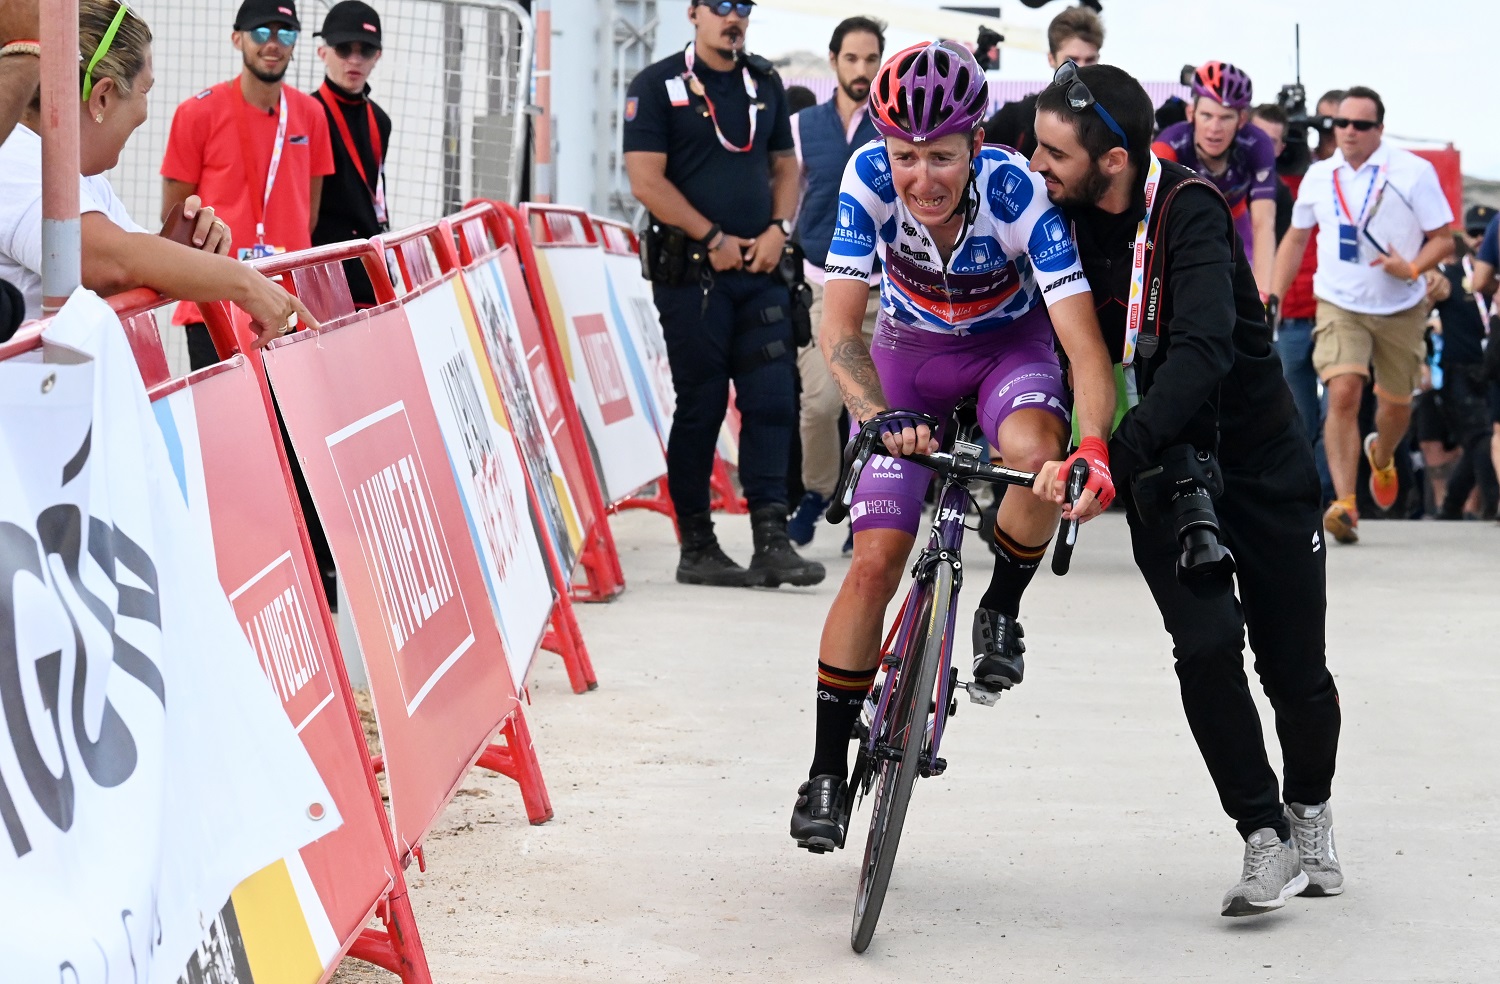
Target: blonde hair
{"x":127,"y":50}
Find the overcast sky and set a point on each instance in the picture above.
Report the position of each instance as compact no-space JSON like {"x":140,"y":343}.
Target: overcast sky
{"x":1429,"y":60}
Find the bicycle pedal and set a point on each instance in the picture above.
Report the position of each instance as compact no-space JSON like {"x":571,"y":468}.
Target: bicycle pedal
{"x":980,"y":694}
{"x":938,"y":767}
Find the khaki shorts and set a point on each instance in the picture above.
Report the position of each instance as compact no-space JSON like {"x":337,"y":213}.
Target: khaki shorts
{"x":1346,"y":342}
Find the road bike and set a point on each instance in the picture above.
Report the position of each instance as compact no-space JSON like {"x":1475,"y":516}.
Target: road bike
{"x":906,"y":713}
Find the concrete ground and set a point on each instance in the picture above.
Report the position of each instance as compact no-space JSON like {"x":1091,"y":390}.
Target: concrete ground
{"x":1075,"y":837}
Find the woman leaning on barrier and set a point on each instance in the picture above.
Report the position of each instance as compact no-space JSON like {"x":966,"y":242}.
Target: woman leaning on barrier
{"x":115,"y":78}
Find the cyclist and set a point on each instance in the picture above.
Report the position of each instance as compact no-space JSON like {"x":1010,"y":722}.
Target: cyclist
{"x":971,"y":249}
{"x":1218,"y":142}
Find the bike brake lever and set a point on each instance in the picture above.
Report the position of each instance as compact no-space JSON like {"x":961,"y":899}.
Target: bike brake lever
{"x":861,"y":448}
{"x":1067,"y":530}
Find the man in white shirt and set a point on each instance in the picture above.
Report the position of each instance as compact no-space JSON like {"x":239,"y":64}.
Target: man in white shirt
{"x":1383,"y":221}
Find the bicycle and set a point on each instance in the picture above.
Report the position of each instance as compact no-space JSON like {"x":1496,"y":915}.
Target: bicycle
{"x":901,"y":740}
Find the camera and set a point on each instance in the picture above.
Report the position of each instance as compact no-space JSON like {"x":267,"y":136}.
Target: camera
{"x":1180,"y":490}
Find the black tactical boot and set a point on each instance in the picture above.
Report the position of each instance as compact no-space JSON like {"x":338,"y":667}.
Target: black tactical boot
{"x":775,"y":562}
{"x":702,"y":561}
{"x":997,"y":650}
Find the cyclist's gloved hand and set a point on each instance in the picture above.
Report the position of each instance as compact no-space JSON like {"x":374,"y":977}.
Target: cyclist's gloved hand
{"x":904,"y":432}
{"x":1095,"y":453}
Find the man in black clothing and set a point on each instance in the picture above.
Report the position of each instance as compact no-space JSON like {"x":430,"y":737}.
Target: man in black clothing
{"x":354,"y":204}
{"x":1074,"y":35}
{"x":1210,"y":382}
{"x":708,"y":147}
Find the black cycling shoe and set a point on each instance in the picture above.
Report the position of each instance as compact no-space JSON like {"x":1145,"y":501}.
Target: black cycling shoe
{"x":997,"y":650}
{"x":821,"y":816}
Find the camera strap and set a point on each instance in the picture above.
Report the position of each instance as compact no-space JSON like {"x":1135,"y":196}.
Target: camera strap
{"x":1144,"y":314}
{"x":1137,"y":300}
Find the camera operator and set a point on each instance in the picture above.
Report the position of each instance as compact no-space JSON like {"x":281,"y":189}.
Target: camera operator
{"x":708,"y":147}
{"x":1211,"y":387}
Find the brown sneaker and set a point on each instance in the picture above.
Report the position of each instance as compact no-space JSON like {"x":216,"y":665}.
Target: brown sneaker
{"x":1384,"y":485}
{"x":1342,"y":520}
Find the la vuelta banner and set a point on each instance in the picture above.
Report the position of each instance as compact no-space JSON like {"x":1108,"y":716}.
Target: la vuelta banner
{"x":357,"y":407}
{"x":146,"y":768}
{"x":287,"y":922}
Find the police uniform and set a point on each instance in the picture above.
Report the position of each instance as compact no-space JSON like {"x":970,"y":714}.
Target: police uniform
{"x":724,"y":325}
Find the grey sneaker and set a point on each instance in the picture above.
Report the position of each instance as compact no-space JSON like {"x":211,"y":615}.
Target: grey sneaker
{"x":1272,"y":874}
{"x":1312,"y":832}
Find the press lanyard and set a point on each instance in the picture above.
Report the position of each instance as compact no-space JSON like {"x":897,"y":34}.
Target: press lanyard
{"x":334,"y":103}
{"x":1340,"y":203}
{"x":1137,"y":301}
{"x":750,"y":90}
{"x":247,"y":148}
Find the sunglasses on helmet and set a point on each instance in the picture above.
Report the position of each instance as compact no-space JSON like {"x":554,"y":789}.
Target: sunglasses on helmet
{"x":286,"y":36}
{"x":1344,"y":122}
{"x":723,"y":7}
{"x":1080,"y":98}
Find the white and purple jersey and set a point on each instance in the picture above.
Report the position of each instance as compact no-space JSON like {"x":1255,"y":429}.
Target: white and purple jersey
{"x":1017,"y":254}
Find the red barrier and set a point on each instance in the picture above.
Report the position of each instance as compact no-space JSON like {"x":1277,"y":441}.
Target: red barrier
{"x":267,"y":569}
{"x":477,"y":233}
{"x":604,"y":577}
{"x":1449,"y":165}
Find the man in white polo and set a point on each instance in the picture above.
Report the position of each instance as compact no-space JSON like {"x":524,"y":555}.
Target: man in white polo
{"x":1382,"y":222}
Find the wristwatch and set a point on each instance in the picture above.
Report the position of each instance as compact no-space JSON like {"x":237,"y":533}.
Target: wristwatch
{"x":784,"y":225}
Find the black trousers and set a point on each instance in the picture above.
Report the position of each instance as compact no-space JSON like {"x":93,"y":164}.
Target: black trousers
{"x":743,"y":335}
{"x":1271,"y":520}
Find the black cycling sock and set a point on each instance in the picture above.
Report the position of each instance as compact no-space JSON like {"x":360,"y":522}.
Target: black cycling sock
{"x":1015,"y":565}
{"x":840,"y":696}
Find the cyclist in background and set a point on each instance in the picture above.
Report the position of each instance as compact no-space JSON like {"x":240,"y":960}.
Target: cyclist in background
{"x":1218,"y":142}
{"x":971,"y":250}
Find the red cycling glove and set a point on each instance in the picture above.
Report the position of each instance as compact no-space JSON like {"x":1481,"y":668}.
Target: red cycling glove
{"x":1093,"y":452}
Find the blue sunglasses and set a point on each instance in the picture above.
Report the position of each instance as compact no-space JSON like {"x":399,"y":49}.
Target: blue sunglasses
{"x":1080,"y":98}
{"x":723,"y":7}
{"x":286,"y":35}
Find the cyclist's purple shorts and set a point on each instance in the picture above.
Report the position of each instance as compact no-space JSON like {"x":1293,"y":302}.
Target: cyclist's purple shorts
{"x":1008,"y":369}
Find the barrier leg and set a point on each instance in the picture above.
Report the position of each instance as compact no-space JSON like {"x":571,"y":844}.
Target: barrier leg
{"x":601,"y":566}
{"x":565,"y":638}
{"x":517,"y":760}
{"x":725,"y":498}
{"x":397,"y":948}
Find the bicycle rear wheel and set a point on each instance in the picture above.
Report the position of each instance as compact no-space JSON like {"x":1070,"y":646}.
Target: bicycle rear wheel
{"x":904,"y":738}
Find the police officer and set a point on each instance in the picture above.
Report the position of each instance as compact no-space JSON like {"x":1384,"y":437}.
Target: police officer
{"x":1160,"y":251}
{"x":708,"y":147}
{"x":353,"y":205}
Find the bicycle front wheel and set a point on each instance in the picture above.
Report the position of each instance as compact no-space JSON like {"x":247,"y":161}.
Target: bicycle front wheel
{"x":902,"y":750}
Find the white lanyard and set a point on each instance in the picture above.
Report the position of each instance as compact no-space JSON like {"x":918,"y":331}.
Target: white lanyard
{"x":1138,"y":266}
{"x":750,"y":90}
{"x":1338,"y":197}
{"x":247,"y":150}
{"x":1479,"y":301}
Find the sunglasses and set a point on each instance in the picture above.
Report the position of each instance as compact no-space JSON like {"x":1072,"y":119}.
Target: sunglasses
{"x":285,"y":36}
{"x":1080,"y":98}
{"x":347,"y":49}
{"x":723,"y":7}
{"x":1363,"y":126}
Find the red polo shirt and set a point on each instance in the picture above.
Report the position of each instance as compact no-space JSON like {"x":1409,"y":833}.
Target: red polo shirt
{"x":207,"y":148}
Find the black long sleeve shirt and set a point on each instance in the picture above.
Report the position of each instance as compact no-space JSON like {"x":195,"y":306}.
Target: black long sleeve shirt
{"x":1215,"y":379}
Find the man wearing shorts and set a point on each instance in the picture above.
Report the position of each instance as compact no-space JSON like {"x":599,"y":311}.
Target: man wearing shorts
{"x":1382,"y":222}
{"x":971,"y":249}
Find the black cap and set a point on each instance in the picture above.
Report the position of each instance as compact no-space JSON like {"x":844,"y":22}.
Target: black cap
{"x":351,"y":20}
{"x":1477,"y":219}
{"x":259,"y":13}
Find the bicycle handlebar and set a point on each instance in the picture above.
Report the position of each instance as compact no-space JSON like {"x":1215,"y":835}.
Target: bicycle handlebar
{"x":944,"y":464}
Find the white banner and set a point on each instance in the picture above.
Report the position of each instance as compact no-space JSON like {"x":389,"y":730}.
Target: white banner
{"x":146,"y":767}
{"x":634,"y":311}
{"x":491,"y":482}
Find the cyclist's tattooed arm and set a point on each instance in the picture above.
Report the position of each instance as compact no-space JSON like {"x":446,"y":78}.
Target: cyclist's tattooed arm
{"x":854,"y":371}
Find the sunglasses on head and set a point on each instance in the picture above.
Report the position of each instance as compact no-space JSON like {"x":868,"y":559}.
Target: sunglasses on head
{"x":286,"y":36}
{"x":1080,"y":98}
{"x":346,"y":49}
{"x":723,"y":7}
{"x":1343,"y":122}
